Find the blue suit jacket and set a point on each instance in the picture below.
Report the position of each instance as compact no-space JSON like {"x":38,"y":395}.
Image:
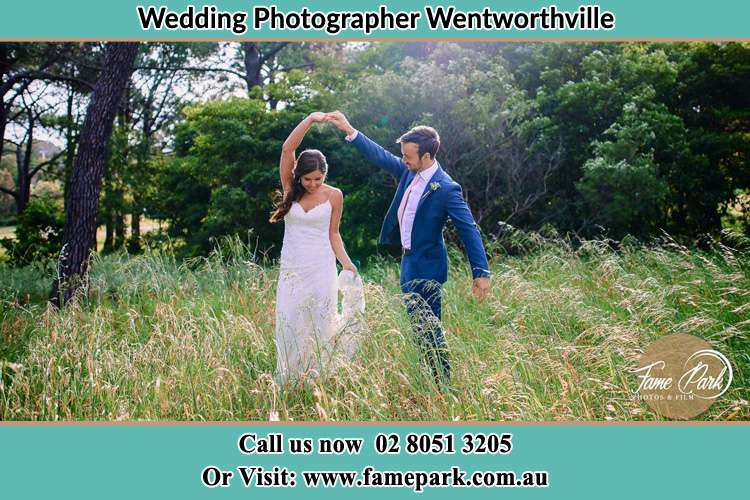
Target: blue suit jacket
{"x":428,"y":259}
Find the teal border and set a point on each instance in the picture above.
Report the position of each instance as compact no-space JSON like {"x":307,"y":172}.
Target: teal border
{"x":118,"y":20}
{"x":165,"y":461}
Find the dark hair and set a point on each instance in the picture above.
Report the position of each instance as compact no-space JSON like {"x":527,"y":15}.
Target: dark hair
{"x":308,"y":161}
{"x":423,"y":136}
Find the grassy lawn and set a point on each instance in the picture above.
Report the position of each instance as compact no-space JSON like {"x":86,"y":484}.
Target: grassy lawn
{"x":158,"y":339}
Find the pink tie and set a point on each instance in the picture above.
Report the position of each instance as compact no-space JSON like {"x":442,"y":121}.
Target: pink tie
{"x":405,"y":199}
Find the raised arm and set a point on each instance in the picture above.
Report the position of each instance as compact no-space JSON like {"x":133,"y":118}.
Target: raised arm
{"x":286,"y":164}
{"x":371,"y":150}
{"x":461,"y":216}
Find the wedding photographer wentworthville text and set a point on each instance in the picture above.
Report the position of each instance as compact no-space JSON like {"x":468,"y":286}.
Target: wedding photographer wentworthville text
{"x":332,"y":23}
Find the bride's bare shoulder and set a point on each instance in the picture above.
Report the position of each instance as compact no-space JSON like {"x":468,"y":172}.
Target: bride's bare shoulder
{"x":333,"y":193}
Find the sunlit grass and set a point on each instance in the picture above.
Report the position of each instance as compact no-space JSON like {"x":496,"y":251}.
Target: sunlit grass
{"x":158,"y":339}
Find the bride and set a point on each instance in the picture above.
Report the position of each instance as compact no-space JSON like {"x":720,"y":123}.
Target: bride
{"x":311,"y":337}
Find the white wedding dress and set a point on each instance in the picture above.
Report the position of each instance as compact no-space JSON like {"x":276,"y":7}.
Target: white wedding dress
{"x":312,"y":338}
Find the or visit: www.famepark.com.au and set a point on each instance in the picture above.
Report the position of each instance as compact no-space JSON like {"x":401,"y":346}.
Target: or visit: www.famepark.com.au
{"x":369,"y":477}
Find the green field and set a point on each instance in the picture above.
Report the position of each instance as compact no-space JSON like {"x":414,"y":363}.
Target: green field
{"x":147,"y":225}
{"x":156,"y":339}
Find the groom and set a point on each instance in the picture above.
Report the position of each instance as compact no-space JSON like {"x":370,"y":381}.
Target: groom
{"x":426,"y":196}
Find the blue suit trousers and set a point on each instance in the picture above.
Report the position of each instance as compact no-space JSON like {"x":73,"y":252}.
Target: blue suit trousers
{"x":422,"y":298}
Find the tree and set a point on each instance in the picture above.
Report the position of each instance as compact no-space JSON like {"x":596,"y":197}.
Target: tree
{"x":256,"y":56}
{"x":21,"y":66}
{"x":224,"y":172}
{"x":79,"y":234}
{"x":492,"y":139}
{"x":38,"y":232}
{"x":717,"y":114}
{"x":155,"y":106}
{"x":697,"y":122}
{"x":28,"y":165}
{"x":113,"y":206}
{"x":581,"y":89}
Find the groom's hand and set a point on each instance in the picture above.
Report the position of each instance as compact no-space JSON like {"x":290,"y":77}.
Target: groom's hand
{"x":338,"y":119}
{"x":480,"y":288}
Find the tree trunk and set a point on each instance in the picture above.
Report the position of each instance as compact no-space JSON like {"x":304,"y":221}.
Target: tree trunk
{"x":134,"y":244}
{"x":143,"y":152}
{"x":253,"y":65}
{"x":79,"y":235}
{"x":109,"y":233}
{"x":70,"y":148}
{"x":3,"y":121}
{"x":24,"y":195}
{"x":22,"y":181}
{"x":24,"y":169}
{"x":5,"y":67}
{"x":119,"y":222}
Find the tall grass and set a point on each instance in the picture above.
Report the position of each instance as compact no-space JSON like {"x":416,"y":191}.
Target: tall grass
{"x":158,"y":339}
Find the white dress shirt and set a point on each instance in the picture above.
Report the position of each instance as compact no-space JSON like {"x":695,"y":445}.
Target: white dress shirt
{"x":410,"y":210}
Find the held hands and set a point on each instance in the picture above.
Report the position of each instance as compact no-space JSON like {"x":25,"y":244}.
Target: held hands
{"x":318,"y":117}
{"x":480,"y":288}
{"x":340,"y":121}
{"x":335,"y":117}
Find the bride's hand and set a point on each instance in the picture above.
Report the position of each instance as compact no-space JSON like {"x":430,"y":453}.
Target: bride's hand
{"x":317,"y":117}
{"x":351,"y":268}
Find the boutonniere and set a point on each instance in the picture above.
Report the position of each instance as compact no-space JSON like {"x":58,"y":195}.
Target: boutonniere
{"x":434,"y":186}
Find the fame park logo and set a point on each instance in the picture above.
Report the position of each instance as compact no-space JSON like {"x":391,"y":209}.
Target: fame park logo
{"x":680,"y":376}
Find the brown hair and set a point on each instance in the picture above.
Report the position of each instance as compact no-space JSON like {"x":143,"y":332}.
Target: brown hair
{"x":425,"y":137}
{"x":308,"y":161}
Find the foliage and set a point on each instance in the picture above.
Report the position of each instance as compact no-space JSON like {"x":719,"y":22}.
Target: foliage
{"x":224,"y":173}
{"x":621,"y":185}
{"x":7,"y":203}
{"x":38,"y":233}
{"x":588,"y":139}
{"x":493,"y":141}
{"x":695,"y":125}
